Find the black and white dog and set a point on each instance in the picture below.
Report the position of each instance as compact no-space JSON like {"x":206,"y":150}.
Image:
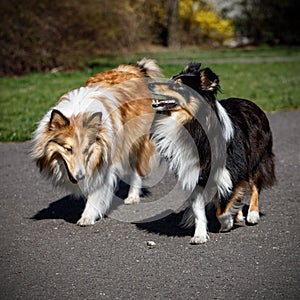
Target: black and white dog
{"x":219,"y":150}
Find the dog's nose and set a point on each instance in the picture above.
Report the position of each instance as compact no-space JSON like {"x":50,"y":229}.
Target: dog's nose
{"x":80,"y":175}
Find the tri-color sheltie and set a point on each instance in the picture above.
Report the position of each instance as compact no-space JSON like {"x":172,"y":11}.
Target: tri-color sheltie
{"x":98,"y":132}
{"x":219,"y":150}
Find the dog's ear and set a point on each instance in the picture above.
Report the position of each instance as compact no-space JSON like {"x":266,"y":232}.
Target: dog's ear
{"x":192,"y":68}
{"x":58,"y":120}
{"x":190,"y":76}
{"x":209,"y":81}
{"x":93,"y":124}
{"x":94,"y":120}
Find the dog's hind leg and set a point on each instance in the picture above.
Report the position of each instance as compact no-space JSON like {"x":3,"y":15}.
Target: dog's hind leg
{"x":225,"y":215}
{"x":239,"y":216}
{"x":232,"y":208}
{"x":142,"y":154}
{"x":253,"y":212}
{"x":198,"y":206}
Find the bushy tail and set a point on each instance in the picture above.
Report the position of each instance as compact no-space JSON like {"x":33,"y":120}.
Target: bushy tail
{"x":149,"y":68}
{"x":188,"y":219}
{"x":265,"y":176}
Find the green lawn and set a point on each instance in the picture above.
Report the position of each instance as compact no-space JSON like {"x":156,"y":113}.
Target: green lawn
{"x":272,"y":85}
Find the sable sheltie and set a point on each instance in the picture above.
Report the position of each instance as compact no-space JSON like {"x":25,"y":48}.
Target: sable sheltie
{"x":99,"y":132}
{"x":219,"y":150}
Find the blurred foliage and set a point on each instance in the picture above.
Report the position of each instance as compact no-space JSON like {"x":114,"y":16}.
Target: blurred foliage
{"x":39,"y":35}
{"x":265,"y":21}
{"x":202,"y":23}
{"x":55,"y":35}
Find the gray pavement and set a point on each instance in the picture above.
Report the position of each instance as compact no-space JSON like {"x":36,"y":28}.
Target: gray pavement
{"x":44,"y":255}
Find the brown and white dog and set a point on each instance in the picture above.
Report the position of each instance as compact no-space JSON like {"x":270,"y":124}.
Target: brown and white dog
{"x":99,"y":132}
{"x":219,"y":149}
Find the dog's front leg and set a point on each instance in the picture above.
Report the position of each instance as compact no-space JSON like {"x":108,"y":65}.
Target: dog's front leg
{"x":97,"y":204}
{"x":198,"y":206}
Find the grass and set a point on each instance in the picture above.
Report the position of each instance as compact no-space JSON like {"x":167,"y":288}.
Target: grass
{"x":273,"y":85}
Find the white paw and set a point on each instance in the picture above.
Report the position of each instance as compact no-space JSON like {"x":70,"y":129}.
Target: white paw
{"x":226,"y":222}
{"x":85,"y":221}
{"x":253,"y":217}
{"x":239,"y":217}
{"x":132,"y":200}
{"x":196,"y":240}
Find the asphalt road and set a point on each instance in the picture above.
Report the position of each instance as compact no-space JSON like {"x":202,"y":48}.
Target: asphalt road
{"x":44,"y":255}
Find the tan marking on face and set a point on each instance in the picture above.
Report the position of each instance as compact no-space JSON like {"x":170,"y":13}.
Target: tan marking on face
{"x":185,"y":110}
{"x":178,"y":80}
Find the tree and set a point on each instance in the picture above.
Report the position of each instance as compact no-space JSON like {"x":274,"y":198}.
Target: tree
{"x":173,"y":26}
{"x":42,"y":35}
{"x":265,"y":21}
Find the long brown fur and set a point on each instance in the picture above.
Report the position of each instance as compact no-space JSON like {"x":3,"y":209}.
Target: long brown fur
{"x":99,"y":132}
{"x":142,"y":149}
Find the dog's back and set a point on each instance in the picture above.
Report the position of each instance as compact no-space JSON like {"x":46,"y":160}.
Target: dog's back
{"x":123,"y":73}
{"x":252,"y":126}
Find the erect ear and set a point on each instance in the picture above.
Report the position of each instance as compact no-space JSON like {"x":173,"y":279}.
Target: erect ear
{"x":94,"y":120}
{"x":192,"y":68}
{"x":93,"y":124}
{"x":58,"y":120}
{"x":209,"y":81}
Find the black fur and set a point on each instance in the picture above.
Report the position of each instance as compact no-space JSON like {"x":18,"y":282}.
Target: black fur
{"x":252,"y":143}
{"x":201,"y":80}
{"x":249,"y":153}
{"x":233,"y":142}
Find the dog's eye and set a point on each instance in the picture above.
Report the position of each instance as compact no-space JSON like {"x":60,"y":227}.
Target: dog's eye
{"x":178,"y":86}
{"x":69,"y":149}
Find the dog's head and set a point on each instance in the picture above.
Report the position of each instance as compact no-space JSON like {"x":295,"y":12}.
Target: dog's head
{"x":185,"y":92}
{"x":176,"y":99}
{"x":169,"y":96}
{"x":76,"y":146}
{"x":204,"y":81}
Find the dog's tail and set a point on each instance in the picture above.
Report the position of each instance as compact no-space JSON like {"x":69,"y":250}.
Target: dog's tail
{"x":149,"y":68}
{"x":188,"y":219}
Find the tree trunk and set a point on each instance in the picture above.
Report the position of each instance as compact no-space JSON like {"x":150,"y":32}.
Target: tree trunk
{"x":173,"y":39}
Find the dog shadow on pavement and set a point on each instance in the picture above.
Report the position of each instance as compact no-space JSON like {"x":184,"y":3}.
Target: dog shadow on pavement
{"x":171,"y":224}
{"x":70,"y":208}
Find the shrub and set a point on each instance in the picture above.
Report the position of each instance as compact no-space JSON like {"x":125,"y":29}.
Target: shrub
{"x":42,"y":35}
{"x":201,"y":23}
